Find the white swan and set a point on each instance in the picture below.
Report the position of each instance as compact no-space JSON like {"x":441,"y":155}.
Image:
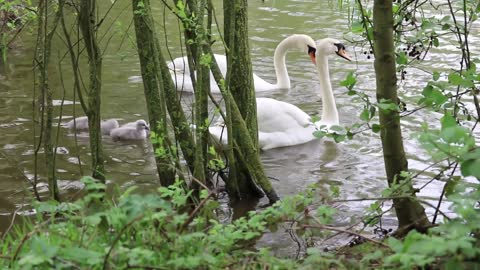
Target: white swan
{"x":139,"y":131}
{"x":283,"y":124}
{"x":181,"y":73}
{"x":81,"y":123}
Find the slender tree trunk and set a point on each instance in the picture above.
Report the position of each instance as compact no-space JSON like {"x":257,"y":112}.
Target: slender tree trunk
{"x":88,"y":24}
{"x":42,"y":58}
{"x":410,"y":213}
{"x":195,"y":30}
{"x":181,"y":127}
{"x":153,"y":87}
{"x":201,"y":94}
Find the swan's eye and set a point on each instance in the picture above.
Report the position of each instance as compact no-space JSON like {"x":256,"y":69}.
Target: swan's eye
{"x":339,"y":46}
{"x":311,"y":49}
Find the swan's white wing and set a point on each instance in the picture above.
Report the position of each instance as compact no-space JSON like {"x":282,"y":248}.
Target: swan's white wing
{"x":181,"y":73}
{"x":278,"y":116}
{"x":179,"y":67}
{"x":282,"y":124}
{"x":180,"y":64}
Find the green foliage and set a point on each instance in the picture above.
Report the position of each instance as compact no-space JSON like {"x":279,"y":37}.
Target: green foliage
{"x":14,"y":13}
{"x":140,"y":9}
{"x":155,"y":229}
{"x":452,"y":244}
{"x":450,"y":141}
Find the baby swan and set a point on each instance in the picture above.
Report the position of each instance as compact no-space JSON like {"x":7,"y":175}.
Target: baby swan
{"x":81,"y":124}
{"x":139,"y":131}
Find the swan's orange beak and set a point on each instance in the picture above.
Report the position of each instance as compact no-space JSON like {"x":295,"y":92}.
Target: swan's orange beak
{"x":342,"y":53}
{"x":312,"y":57}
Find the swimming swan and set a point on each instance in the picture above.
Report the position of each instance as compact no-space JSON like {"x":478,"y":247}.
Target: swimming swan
{"x":139,"y":131}
{"x":81,"y":124}
{"x":283,"y":124}
{"x":181,"y":73}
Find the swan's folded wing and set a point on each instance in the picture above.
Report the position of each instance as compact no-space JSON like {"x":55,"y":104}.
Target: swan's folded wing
{"x":278,"y":116}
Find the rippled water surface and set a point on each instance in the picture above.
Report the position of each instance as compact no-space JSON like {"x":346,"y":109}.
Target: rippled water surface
{"x":355,"y":166}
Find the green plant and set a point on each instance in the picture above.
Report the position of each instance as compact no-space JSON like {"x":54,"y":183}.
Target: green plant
{"x":160,"y":230}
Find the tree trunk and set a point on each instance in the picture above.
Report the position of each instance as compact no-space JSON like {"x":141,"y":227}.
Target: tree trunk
{"x":201,"y":92}
{"x":154,"y":92}
{"x":246,"y":170}
{"x":44,"y":40}
{"x":248,"y":155}
{"x":410,"y":213}
{"x":88,"y":24}
{"x":181,"y":127}
{"x":240,"y":84}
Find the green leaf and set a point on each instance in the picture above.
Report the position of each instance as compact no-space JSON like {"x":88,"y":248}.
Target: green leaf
{"x":376,"y":128}
{"x":365,"y":115}
{"x":475,"y":154}
{"x":351,"y":92}
{"x":349,"y":81}
{"x":448,"y":121}
{"x":387,"y":105}
{"x":433,"y":96}
{"x":339,"y":138}
{"x":395,"y":244}
{"x":337,"y":128}
{"x":319,"y":134}
{"x":456,"y":79}
{"x":436,"y":75}
{"x":83,"y":255}
{"x":471,"y":167}
{"x":315,"y":118}
{"x":451,"y":184}
{"x":205,"y":60}
{"x":402,"y":58}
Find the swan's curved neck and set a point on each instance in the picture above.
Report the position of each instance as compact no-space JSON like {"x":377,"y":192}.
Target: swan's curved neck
{"x":329,"y":111}
{"x":283,"y":80}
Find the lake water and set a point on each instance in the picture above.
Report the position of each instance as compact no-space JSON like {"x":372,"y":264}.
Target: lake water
{"x":355,"y":166}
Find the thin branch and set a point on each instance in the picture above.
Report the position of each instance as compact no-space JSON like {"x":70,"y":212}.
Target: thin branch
{"x":195,"y":211}
{"x":335,"y":229}
{"x":105,"y":260}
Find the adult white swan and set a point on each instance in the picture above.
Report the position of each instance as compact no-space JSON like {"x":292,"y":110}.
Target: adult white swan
{"x":181,"y":73}
{"x":283,"y":124}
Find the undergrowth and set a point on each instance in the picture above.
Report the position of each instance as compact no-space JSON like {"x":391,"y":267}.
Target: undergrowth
{"x":162,"y":231}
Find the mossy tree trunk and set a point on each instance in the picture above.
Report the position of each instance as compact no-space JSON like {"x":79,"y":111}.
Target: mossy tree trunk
{"x":154,"y":92}
{"x":42,"y":58}
{"x":87,"y":19}
{"x":181,"y":127}
{"x":240,"y":84}
{"x":197,"y":51}
{"x":202,"y":88}
{"x":410,"y":213}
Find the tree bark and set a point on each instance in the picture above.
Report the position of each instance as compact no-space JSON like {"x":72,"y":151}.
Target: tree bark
{"x":154,"y":92}
{"x":88,"y":23}
{"x":410,"y":213}
{"x":201,"y":92}
{"x":248,"y":154}
{"x":42,"y":58}
{"x":240,"y":84}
